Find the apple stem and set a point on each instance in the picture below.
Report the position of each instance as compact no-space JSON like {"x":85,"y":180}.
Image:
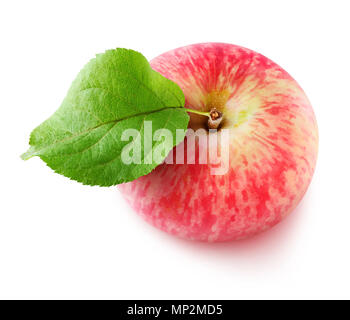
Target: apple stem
{"x":214,"y":117}
{"x":202,"y":113}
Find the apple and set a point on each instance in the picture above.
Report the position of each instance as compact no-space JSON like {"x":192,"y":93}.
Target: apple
{"x":272,"y":147}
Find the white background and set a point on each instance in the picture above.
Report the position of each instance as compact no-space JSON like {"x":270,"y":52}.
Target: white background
{"x":60,"y":239}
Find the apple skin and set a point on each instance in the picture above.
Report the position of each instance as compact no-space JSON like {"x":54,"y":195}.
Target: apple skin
{"x":273,"y":147}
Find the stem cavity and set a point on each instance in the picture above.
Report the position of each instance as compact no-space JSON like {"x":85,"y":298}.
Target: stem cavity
{"x":214,"y":117}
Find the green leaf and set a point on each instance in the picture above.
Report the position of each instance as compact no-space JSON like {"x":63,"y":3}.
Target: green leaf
{"x":115,"y":91}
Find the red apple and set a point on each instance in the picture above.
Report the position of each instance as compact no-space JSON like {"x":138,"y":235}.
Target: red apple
{"x":273,"y":147}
